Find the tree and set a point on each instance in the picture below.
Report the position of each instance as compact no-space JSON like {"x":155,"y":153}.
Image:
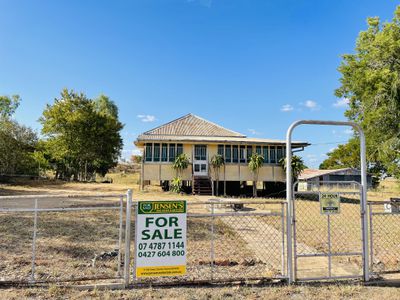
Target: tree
{"x":17,"y":145}
{"x":8,"y":105}
{"x":17,"y":142}
{"x":348,"y":156}
{"x":344,"y":156}
{"x":370,"y":80}
{"x":181,"y":163}
{"x":217,"y":161}
{"x":136,"y":159}
{"x":104,"y":106}
{"x":256,"y":161}
{"x":83,"y":135}
{"x":297,"y":166}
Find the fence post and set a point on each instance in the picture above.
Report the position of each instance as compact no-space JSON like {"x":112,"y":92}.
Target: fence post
{"x":212,"y":253}
{"x":371,"y":239}
{"x":120,"y":232}
{"x":34,"y":240}
{"x":128,"y":238}
{"x":283,"y":237}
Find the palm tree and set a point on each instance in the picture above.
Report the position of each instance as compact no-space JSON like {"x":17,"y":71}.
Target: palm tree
{"x":256,"y":161}
{"x":181,"y":163}
{"x":297,"y":166}
{"x":217,"y":161}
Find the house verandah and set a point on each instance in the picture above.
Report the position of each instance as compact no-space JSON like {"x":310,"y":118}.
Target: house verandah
{"x":200,"y":140}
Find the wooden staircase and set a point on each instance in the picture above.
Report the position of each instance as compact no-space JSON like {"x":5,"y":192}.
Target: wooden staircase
{"x":202,"y":185}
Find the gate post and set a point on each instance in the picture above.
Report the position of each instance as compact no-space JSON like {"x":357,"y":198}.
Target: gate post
{"x":289,"y":200}
{"x":289,"y":193}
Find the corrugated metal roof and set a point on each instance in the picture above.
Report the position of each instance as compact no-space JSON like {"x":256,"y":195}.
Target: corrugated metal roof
{"x":312,"y":173}
{"x":192,"y":125}
{"x":191,"y":128}
{"x":213,"y":139}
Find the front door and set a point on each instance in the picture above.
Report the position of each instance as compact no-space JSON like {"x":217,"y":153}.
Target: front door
{"x":200,"y":162}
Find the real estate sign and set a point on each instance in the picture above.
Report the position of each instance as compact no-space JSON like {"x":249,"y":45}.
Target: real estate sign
{"x":329,"y":203}
{"x":160,"y":238}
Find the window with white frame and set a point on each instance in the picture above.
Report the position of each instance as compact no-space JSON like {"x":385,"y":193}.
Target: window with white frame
{"x":228,"y":153}
{"x":149,"y":152}
{"x":172,"y":151}
{"x":242,"y":154}
{"x":272,"y":154}
{"x":266,"y":154}
{"x":235,"y":154}
{"x":156,"y":156}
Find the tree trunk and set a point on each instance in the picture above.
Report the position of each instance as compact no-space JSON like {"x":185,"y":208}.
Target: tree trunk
{"x":86,"y":177}
{"x":254,"y":188}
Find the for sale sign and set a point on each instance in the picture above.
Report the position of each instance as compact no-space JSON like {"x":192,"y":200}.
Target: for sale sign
{"x":330,"y":203}
{"x":160,"y":238}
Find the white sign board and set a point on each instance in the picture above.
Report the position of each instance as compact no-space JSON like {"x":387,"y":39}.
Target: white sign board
{"x":329,"y":203}
{"x":392,"y":208}
{"x":160,"y":238}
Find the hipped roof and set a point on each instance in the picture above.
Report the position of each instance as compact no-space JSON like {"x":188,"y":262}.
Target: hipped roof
{"x":192,"y":125}
{"x":192,"y":128}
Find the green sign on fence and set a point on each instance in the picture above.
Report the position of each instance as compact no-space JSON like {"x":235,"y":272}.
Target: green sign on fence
{"x":329,"y":203}
{"x":160,"y":238}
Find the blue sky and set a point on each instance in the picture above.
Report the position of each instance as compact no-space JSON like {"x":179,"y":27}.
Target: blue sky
{"x":251,"y":66}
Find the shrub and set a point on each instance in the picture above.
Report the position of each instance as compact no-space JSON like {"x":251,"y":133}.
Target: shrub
{"x":176,"y":185}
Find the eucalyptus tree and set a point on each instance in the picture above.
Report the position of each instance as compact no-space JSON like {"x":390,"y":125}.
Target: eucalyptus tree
{"x":82,"y":135}
{"x":17,"y":142}
{"x":8,"y":105}
{"x":370,"y":83}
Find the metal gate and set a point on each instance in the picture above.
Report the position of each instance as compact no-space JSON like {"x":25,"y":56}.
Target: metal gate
{"x":327,"y":246}
{"x":333,"y":237}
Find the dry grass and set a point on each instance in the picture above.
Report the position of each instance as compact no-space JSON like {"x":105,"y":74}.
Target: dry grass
{"x":275,"y":292}
{"x":67,"y":243}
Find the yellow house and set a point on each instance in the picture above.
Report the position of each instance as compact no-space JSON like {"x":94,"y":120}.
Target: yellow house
{"x":200,"y":140}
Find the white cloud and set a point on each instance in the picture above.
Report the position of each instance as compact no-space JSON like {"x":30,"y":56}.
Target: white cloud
{"x":254,"y":132}
{"x":344,"y":102}
{"x":312,"y":105}
{"x":348,"y":131}
{"x":146,"y":118}
{"x":287,"y":108}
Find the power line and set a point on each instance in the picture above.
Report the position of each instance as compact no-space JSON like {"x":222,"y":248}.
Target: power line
{"x":328,"y":143}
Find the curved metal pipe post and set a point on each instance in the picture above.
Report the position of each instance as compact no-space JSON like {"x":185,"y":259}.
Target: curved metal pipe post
{"x":289,"y":191}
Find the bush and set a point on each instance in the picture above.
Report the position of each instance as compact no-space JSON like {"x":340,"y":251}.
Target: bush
{"x":176,"y":185}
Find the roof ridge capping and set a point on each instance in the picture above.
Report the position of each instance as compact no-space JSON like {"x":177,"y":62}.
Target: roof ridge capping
{"x":235,"y":132}
{"x":183,"y":124}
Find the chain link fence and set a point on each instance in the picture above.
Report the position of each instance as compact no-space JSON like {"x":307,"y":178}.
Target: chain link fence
{"x":327,"y":246}
{"x":231,"y":241}
{"x":71,"y":239}
{"x":60,"y":238}
{"x":384,"y":223}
